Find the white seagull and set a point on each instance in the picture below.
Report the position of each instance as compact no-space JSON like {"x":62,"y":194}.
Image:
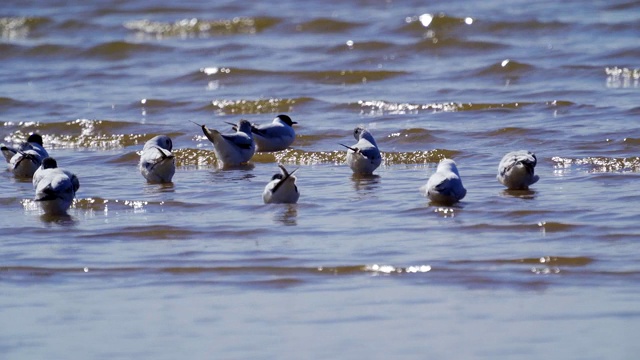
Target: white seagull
{"x":363,"y":157}
{"x":157,"y":163}
{"x":27,"y":157}
{"x":276,"y":136}
{"x":516,"y":170}
{"x":282,"y":188}
{"x":55,"y":187}
{"x":444,"y":186}
{"x":232,"y":149}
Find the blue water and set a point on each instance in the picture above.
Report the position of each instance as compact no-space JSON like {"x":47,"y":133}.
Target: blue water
{"x":201,"y":268}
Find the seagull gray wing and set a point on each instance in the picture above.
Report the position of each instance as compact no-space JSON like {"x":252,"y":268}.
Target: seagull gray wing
{"x":239,"y":140}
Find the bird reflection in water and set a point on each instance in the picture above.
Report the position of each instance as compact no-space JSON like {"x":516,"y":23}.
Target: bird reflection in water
{"x":62,"y":220}
{"x":159,"y":188}
{"x":522,"y":194}
{"x":365,"y":183}
{"x":286,"y":214}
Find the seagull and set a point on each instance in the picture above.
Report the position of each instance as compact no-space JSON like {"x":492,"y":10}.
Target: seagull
{"x":276,"y":136}
{"x":26,"y":158}
{"x":444,"y":186}
{"x":282,"y":188}
{"x":55,"y":187}
{"x":363,"y":157}
{"x":157,"y":163}
{"x":232,"y":149}
{"x":516,"y":170}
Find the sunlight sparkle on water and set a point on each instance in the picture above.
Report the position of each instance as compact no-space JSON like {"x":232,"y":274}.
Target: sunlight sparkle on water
{"x":388,"y":269}
{"x":425,"y":19}
{"x":214,"y":70}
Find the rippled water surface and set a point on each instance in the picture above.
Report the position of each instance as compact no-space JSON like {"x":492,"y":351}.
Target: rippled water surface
{"x":360,"y":267}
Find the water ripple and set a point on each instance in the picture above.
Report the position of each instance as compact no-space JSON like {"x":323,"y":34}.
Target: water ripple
{"x":601,"y":164}
{"x":195,"y":27}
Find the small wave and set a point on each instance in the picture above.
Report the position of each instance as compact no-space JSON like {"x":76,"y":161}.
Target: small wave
{"x":8,"y":50}
{"x":80,"y":133}
{"x":20,"y":27}
{"x":418,"y":157}
{"x":346,"y":77}
{"x":106,"y":205}
{"x":459,"y":46}
{"x":49,"y":50}
{"x":160,"y":104}
{"x":435,"y":22}
{"x":528,"y":26}
{"x":547,"y":260}
{"x":630,"y":5}
{"x":380,"y":107}
{"x":117,"y":50}
{"x":506,"y":67}
{"x":324,"y":25}
{"x":260,"y":106}
{"x":339,"y":157}
{"x":7,"y":102}
{"x":631,"y":141}
{"x":339,"y":77}
{"x":206,"y":158}
{"x":601,"y":164}
{"x":195,"y":27}
{"x":409,"y":136}
{"x":622,"y":77}
{"x":546,"y":226}
{"x":373,"y":46}
{"x":189,"y":158}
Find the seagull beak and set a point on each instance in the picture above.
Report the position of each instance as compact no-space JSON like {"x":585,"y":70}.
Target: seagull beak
{"x":349,"y":147}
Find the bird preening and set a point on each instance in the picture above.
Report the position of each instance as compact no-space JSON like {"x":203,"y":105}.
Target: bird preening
{"x":157,"y":162}
{"x":25,"y":159}
{"x":55,"y":187}
{"x":232,"y":149}
{"x":364,"y":157}
{"x":445,"y":187}
{"x":282,"y":188}
{"x":516,"y":170}
{"x":275,"y":136}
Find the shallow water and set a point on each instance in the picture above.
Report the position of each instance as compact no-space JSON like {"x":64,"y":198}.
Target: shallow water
{"x":360,"y":267}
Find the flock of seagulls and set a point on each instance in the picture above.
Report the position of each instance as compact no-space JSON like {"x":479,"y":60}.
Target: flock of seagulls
{"x":55,"y":187}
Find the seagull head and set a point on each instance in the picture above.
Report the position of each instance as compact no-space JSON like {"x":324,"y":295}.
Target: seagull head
{"x":35,"y":138}
{"x":49,"y":163}
{"x":285,"y":119}
{"x":163,"y":141}
{"x":244,"y":126}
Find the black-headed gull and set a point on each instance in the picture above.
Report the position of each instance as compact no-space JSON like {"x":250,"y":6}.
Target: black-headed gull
{"x":26,"y":158}
{"x":275,"y":136}
{"x":232,"y":149}
{"x":516,"y":170}
{"x":54,"y":187}
{"x":363,"y":157}
{"x":157,"y":163}
{"x":445,"y":186}
{"x":282,"y":188}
